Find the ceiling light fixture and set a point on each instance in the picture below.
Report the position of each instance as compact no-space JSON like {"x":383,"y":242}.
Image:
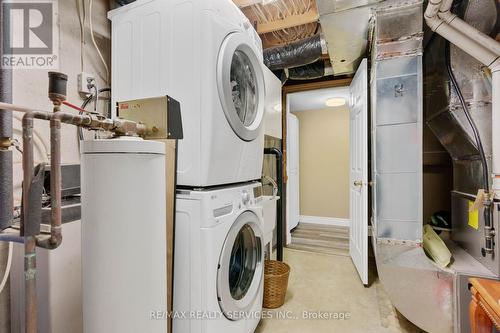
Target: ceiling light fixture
{"x":335,"y":101}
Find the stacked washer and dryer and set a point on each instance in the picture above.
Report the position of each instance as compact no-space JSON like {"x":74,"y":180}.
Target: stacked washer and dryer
{"x":207,"y":55}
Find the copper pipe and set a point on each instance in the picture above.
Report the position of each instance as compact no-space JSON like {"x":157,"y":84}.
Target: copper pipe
{"x":30,"y":240}
{"x":56,"y":119}
{"x":120,"y":126}
{"x":30,"y":296}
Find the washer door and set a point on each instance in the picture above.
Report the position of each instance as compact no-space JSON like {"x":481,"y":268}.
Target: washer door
{"x":239,"y":274}
{"x":240,"y":82}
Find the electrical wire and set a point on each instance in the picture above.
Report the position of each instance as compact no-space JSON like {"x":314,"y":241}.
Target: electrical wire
{"x":92,"y":37}
{"x":7,"y":268}
{"x":84,"y":105}
{"x":68,"y":104}
{"x":82,"y":18}
{"x":471,"y":122}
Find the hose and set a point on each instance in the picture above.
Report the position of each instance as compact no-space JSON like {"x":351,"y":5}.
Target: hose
{"x":7,"y":268}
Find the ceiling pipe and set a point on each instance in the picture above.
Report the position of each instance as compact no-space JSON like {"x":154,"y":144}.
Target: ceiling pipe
{"x":299,"y":53}
{"x":454,"y":21}
{"x":483,"y":48}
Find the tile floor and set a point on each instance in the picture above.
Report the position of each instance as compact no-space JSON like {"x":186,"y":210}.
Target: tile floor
{"x":329,"y":284}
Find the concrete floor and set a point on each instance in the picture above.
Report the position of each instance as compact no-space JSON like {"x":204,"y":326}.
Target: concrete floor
{"x":329,"y":284}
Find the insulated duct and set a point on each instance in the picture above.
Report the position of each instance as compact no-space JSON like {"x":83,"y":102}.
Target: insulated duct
{"x":312,"y":71}
{"x":302,"y":52}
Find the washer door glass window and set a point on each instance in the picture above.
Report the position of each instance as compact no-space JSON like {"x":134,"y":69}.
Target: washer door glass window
{"x":244,"y":84}
{"x":240,"y":82}
{"x":240,"y":269}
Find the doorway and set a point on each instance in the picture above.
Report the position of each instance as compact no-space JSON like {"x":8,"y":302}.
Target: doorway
{"x":328,"y":157}
{"x":318,"y":170}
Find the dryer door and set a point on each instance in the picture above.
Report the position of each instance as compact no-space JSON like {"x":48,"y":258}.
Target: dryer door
{"x":239,"y":274}
{"x":240,"y":82}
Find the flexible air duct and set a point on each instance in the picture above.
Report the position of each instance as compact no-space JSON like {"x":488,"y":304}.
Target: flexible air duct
{"x":312,"y":71}
{"x":302,"y":52}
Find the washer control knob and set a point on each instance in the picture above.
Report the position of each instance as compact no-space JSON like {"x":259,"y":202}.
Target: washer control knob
{"x":245,"y":197}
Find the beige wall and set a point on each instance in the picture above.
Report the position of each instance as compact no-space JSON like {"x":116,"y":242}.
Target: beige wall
{"x":324,"y":162}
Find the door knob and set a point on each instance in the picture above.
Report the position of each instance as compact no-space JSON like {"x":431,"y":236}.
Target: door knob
{"x":358,"y":183}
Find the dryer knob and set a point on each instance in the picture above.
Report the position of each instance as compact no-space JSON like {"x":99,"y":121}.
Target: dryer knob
{"x":245,"y":197}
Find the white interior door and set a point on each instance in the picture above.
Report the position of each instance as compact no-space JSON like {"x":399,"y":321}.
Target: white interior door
{"x":293,"y":172}
{"x":358,"y":231}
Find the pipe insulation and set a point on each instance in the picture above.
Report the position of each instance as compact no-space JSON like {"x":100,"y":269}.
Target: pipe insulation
{"x":6,"y":168}
{"x":6,"y":184}
{"x":302,"y":52}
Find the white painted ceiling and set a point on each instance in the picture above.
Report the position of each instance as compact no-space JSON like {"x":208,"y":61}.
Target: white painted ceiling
{"x":315,"y":99}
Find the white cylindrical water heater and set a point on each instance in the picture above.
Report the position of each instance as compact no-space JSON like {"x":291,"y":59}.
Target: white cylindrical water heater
{"x":123,"y":235}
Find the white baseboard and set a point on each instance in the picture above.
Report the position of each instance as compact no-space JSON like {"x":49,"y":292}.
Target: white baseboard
{"x":333,"y":221}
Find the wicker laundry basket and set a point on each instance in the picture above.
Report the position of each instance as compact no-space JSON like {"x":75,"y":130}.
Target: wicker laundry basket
{"x":276,"y":275}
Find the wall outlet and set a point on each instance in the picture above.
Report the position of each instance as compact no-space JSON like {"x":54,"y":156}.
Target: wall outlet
{"x":84,"y":79}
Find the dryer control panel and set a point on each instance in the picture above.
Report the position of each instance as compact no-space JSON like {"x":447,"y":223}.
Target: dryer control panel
{"x":225,"y":201}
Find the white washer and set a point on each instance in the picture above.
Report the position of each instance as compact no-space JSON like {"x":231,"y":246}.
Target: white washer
{"x":206,"y":55}
{"x":218,"y":267}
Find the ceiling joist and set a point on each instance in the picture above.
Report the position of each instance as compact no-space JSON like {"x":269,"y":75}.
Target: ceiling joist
{"x":288,"y":22}
{"x":246,"y":3}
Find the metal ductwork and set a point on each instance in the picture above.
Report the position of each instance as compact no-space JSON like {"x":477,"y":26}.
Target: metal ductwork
{"x":302,"y":52}
{"x":467,"y":133}
{"x":434,"y":305}
{"x":345,"y":26}
{"x":449,"y":122}
{"x":420,"y":290}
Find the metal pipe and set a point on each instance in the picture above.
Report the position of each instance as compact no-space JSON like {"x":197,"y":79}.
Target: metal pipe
{"x":5,"y":237}
{"x":6,"y":185}
{"x":56,"y":119}
{"x":29,"y":240}
{"x":281,"y":204}
{"x":55,"y":239}
{"x":6,"y":162}
{"x":30,"y":296}
{"x":495,"y":122}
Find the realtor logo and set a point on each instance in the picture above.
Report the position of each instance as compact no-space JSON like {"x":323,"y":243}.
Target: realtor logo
{"x":29,"y":34}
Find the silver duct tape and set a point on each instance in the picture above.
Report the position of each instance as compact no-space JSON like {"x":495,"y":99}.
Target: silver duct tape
{"x":6,"y":197}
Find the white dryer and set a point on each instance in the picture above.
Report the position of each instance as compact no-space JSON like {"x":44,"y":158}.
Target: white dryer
{"x":218,"y":266}
{"x":206,"y":55}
